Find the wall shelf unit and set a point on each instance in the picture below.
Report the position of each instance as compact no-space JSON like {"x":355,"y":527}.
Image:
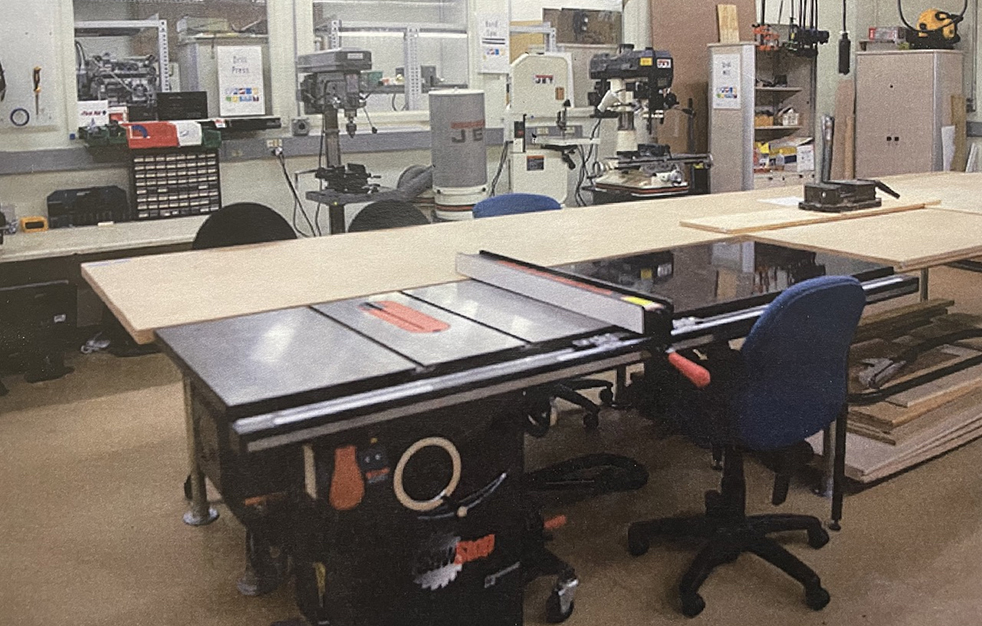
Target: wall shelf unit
{"x":771,"y":83}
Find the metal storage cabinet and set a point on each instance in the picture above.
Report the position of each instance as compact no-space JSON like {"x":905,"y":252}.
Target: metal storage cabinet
{"x":903,"y":98}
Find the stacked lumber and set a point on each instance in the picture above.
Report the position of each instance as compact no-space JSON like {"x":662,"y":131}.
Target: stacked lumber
{"x":922,"y":422}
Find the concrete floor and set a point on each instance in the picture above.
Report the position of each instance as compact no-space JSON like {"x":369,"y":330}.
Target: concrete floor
{"x":91,"y":467}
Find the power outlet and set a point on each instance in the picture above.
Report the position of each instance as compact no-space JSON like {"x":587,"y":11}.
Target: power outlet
{"x":274,"y":143}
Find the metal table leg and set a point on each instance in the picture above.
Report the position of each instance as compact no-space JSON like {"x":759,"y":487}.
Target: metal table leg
{"x":201,"y":514}
{"x":924,"y":284}
{"x":825,"y":485}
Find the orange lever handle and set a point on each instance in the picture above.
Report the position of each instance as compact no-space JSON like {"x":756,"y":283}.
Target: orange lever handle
{"x":697,"y":374}
{"x":347,"y":486}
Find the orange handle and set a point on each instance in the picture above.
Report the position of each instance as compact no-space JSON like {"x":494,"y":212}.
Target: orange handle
{"x":554,"y":523}
{"x":697,"y":374}
{"x":347,"y":486}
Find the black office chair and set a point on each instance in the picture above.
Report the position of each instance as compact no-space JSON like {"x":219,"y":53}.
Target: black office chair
{"x":787,"y":383}
{"x":386,"y":214}
{"x":242,"y":223}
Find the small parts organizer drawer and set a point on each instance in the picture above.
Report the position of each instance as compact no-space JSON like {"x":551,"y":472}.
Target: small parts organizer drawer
{"x":175,"y":182}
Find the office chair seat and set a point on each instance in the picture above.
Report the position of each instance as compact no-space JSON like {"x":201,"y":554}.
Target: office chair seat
{"x":386,"y":214}
{"x":240,"y":224}
{"x":787,"y":383}
{"x":514,"y":204}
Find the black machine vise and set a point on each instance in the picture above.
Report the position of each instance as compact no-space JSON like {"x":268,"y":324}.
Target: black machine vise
{"x":840,"y":196}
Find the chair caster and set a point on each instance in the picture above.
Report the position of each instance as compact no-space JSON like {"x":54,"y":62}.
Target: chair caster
{"x":591,"y":421}
{"x":637,"y":542}
{"x":561,"y":601}
{"x":607,"y":397}
{"x":554,"y":609}
{"x":817,"y":598}
{"x":692,"y":604}
{"x":818,"y":538}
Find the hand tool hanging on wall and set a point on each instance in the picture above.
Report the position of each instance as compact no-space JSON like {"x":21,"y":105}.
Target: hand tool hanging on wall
{"x":37,"y":90}
{"x":805,"y":37}
{"x":765,"y":36}
{"x":3,"y":84}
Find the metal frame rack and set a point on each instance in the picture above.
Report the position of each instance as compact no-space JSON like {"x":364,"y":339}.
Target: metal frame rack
{"x":129,"y":28}
{"x":413,"y":88}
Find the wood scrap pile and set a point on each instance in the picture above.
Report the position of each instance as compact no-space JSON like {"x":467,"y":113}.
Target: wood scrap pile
{"x":927,"y":418}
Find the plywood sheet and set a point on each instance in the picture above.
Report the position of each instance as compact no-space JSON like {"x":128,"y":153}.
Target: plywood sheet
{"x":901,"y":434}
{"x":868,"y":460}
{"x":843,"y":140}
{"x":958,"y":120}
{"x":958,"y":191}
{"x":166,"y":290}
{"x":729,"y":25}
{"x":887,"y":416}
{"x":907,"y":240}
{"x":685,"y":28}
{"x":928,"y":393}
{"x":772,"y":219}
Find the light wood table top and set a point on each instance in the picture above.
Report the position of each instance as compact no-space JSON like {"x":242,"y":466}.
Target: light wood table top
{"x":61,"y":242}
{"x":907,"y":241}
{"x":148,"y":293}
{"x":789,"y":216}
{"x":958,"y":191}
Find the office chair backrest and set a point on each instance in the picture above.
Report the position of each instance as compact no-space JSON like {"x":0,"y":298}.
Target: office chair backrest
{"x":240,"y":224}
{"x":795,"y":360}
{"x":513,"y":204}
{"x":387,"y":214}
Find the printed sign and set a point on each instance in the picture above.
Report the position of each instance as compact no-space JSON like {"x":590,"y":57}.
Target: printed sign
{"x":93,"y":113}
{"x":726,"y":81}
{"x":240,"y":80}
{"x":495,"y":34}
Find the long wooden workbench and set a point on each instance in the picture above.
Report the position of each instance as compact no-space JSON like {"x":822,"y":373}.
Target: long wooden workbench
{"x":167,"y":290}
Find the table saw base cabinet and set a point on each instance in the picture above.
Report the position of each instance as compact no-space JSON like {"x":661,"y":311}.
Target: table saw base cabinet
{"x":370,"y":543}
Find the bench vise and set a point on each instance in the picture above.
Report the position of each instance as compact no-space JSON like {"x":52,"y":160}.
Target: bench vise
{"x":839,"y":196}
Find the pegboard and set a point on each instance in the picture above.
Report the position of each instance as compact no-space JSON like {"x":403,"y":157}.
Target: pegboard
{"x":28,"y":40}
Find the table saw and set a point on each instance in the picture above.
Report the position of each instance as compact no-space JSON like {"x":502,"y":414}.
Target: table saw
{"x":378,"y":441}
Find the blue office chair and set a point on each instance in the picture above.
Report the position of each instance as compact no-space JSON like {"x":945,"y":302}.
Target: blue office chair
{"x":519,"y":203}
{"x":787,"y":383}
{"x":514,"y":204}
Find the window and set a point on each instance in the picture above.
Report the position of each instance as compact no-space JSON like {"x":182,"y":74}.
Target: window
{"x":430,"y":35}
{"x":127,"y":51}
